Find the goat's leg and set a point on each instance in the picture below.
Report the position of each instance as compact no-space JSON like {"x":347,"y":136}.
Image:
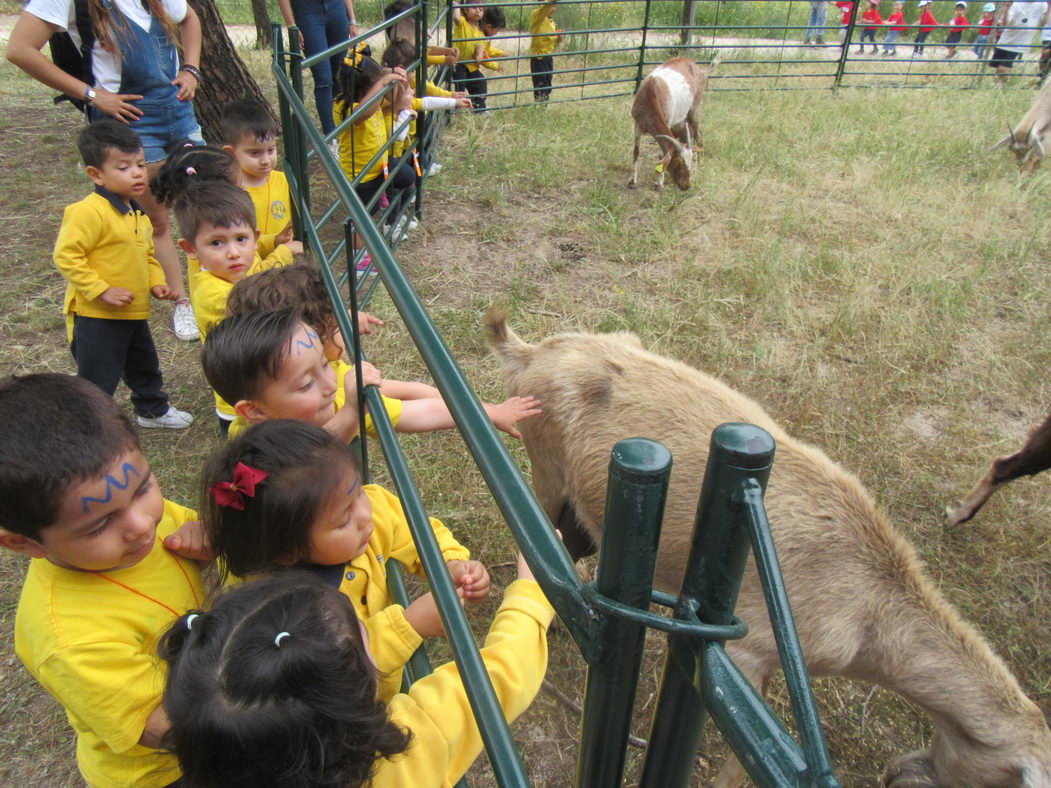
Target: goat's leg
{"x":1033,"y":457}
{"x":635,"y":162}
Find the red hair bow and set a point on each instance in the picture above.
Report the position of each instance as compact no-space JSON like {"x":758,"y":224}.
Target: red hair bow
{"x":232,"y":494}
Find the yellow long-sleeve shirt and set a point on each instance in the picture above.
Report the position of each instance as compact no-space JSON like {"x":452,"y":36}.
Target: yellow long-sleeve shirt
{"x":445,"y":736}
{"x":360,"y":142}
{"x":104,"y":243}
{"x":542,"y":26}
{"x":273,"y":203}
{"x":472,"y":39}
{"x":392,"y":640}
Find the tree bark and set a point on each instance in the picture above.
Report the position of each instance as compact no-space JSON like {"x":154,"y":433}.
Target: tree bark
{"x":262,"y":24}
{"x":225,"y":76}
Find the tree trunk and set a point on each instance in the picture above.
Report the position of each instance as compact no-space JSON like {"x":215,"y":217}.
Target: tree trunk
{"x":262,"y":24}
{"x":225,"y":76}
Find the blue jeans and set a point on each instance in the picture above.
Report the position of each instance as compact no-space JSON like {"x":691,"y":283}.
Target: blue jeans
{"x":979,"y":46}
{"x":890,"y":42}
{"x":815,"y":26}
{"x":324,"y":24}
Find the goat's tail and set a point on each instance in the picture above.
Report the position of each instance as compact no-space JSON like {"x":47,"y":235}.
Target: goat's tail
{"x":507,"y":344}
{"x":711,"y":66}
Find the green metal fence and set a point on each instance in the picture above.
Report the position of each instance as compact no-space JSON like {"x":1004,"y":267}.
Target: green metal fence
{"x":607,"y":619}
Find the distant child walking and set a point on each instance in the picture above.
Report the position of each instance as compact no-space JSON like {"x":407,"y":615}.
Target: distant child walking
{"x":927,"y":24}
{"x":958,"y":25}
{"x":541,"y":46}
{"x":896,"y":22}
{"x":985,"y":28}
{"x":105,"y":251}
{"x":872,"y":21}
{"x":847,"y":8}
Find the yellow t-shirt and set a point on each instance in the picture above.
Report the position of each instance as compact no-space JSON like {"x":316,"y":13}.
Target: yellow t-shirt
{"x":445,"y":736}
{"x":472,"y":38}
{"x":542,"y":26}
{"x":92,"y":644}
{"x":360,"y":142}
{"x":391,"y":639}
{"x":103,"y":243}
{"x":273,"y":203}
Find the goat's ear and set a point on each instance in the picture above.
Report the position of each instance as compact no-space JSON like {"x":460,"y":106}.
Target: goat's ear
{"x":1005,"y":141}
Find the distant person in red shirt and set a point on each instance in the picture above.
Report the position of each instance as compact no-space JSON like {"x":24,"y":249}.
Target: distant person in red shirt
{"x":872,"y":20}
{"x":927,"y":23}
{"x":847,"y":8}
{"x":985,"y":29}
{"x":897,"y":24}
{"x":959,"y":24}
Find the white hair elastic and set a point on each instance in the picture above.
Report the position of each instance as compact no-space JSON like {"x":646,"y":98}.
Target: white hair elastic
{"x":277,"y":640}
{"x":190,"y":618}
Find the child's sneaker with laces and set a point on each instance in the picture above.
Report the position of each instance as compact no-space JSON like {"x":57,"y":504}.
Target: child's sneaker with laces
{"x":185,"y":323}
{"x":174,"y":419}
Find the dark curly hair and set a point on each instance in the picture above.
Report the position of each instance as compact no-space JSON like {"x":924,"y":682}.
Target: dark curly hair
{"x":188,"y":164}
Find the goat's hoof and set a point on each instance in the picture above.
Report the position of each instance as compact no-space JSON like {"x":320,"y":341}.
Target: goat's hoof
{"x":957,"y":515}
{"x":631,"y":184}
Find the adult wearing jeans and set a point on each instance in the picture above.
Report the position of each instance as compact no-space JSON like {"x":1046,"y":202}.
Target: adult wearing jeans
{"x":815,"y":27}
{"x":322,"y":24}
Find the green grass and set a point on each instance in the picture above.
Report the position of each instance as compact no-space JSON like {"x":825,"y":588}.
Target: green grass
{"x":857,"y":262}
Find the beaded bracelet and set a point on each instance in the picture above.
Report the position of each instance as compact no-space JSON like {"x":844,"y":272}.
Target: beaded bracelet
{"x":193,"y":70}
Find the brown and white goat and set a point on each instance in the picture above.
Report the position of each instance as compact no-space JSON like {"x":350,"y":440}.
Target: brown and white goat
{"x":1033,"y":457}
{"x":668,"y":107}
{"x":1028,"y":139}
{"x":862,"y":603}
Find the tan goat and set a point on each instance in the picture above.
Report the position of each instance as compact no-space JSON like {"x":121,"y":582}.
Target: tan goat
{"x":1026,"y":141}
{"x":667,"y":106}
{"x":862,"y":604}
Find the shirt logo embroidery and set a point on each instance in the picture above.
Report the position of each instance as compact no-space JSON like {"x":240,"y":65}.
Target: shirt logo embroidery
{"x":278,"y":209}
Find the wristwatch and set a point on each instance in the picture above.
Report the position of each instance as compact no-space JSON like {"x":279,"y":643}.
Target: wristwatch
{"x":89,"y":96}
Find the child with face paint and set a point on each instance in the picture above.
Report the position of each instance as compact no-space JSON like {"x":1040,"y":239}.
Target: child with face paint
{"x":287,"y":494}
{"x":78,"y":497}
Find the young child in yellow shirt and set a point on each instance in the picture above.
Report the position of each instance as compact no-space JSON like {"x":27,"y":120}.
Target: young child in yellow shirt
{"x":411,"y":406}
{"x":474,"y":50}
{"x":250,"y":136}
{"x":288,"y":494}
{"x":105,"y":251}
{"x":78,"y":498}
{"x":292,"y":631}
{"x":541,"y":48}
{"x":217,"y":222}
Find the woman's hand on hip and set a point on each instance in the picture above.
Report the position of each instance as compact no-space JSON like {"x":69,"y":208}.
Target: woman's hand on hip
{"x":117,"y":105}
{"x":187,"y":84}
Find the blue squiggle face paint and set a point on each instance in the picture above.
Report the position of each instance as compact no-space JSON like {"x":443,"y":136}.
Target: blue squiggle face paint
{"x":112,"y":483}
{"x":312,"y":342}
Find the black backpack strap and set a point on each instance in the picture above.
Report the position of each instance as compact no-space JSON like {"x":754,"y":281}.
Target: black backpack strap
{"x":84,"y":28}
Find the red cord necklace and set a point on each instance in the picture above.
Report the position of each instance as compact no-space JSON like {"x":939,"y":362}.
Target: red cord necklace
{"x":175,"y":613}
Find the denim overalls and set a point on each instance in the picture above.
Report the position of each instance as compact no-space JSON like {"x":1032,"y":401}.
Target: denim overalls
{"x":148,"y":66}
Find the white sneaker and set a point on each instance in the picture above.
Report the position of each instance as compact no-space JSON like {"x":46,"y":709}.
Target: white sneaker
{"x":434,"y":169}
{"x":185,"y":322}
{"x":172,"y":420}
{"x":412,"y":225}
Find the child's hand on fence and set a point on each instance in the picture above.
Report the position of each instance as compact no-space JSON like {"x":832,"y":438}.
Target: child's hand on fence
{"x":463,"y":102}
{"x":460,"y":94}
{"x":370,"y":376}
{"x":471,"y":577}
{"x":162,"y":293}
{"x":366,"y":322}
{"x":116,"y":296}
{"x":422,"y":615}
{"x":450,"y":60}
{"x":296,"y":247}
{"x":511,"y":411}
{"x":190,"y":541}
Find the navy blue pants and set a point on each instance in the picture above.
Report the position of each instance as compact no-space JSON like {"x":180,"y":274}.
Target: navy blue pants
{"x":473,"y":82}
{"x":108,"y":351}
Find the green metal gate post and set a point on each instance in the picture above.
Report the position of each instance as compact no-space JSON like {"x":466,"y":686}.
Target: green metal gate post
{"x":642,"y":46}
{"x":841,"y":66}
{"x":638,"y":484}
{"x":301,"y":146}
{"x":716,"y":563}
